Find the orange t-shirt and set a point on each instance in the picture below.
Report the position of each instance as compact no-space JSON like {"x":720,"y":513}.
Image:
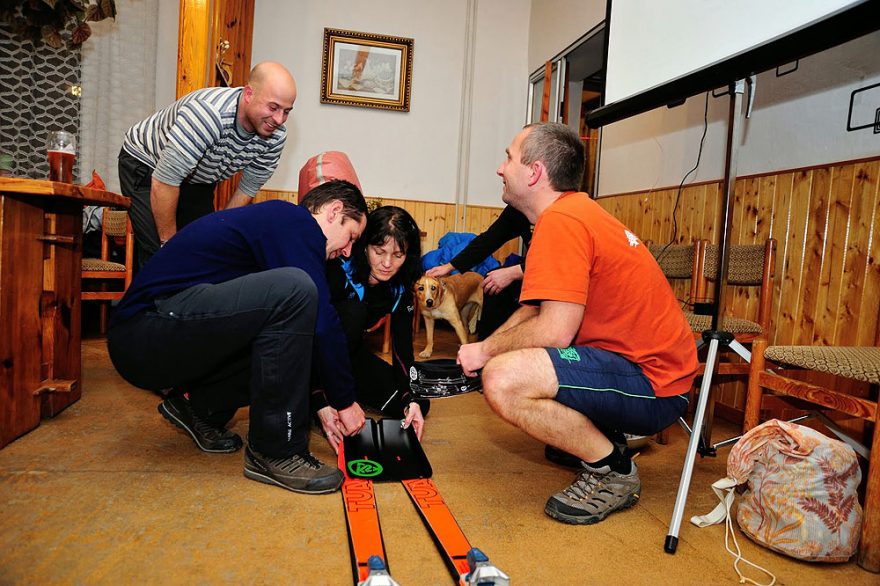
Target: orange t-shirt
{"x":581,"y":254}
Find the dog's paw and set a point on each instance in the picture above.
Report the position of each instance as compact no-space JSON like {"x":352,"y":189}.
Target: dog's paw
{"x":425,"y":354}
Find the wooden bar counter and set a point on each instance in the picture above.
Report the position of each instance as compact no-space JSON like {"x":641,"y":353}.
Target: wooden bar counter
{"x":40,"y":266}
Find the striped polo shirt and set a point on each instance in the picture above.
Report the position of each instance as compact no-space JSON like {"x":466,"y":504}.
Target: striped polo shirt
{"x":198,"y":139}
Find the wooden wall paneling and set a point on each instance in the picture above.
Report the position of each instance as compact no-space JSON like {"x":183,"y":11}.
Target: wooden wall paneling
{"x":712,"y":214}
{"x":790,"y":258}
{"x":837,"y":233}
{"x":856,"y":266}
{"x":690,"y":216}
{"x":645,"y":217}
{"x":871,"y":297}
{"x":816,"y":248}
{"x":661,"y":211}
{"x":703,"y":196}
{"x":267,"y":194}
{"x":767,"y":187}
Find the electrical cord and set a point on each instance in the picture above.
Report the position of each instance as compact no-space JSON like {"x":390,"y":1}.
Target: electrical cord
{"x":683,"y":179}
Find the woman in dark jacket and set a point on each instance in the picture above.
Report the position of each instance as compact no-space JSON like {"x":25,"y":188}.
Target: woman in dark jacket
{"x":377,"y":280}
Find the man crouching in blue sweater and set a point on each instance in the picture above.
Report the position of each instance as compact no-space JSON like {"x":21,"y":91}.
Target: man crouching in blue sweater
{"x":229,"y":312}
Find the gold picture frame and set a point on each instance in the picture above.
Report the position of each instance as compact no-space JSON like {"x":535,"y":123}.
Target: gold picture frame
{"x":366,"y":70}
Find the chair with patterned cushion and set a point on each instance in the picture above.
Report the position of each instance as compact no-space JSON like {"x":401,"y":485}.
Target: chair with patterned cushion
{"x":750,"y":265}
{"x":678,"y":262}
{"x":838,"y":364}
{"x":99,"y":273}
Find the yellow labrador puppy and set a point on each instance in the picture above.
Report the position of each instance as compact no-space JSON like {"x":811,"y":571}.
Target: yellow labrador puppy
{"x":450,"y":298}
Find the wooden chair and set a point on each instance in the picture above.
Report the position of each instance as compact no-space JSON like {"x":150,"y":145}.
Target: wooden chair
{"x":854,"y":363}
{"x":98,"y":273}
{"x":678,"y":262}
{"x":750,"y":265}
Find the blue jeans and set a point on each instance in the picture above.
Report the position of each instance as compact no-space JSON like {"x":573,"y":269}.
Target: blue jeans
{"x":247,"y":341}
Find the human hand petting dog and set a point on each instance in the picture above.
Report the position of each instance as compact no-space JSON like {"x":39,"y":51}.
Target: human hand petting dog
{"x":472,"y":357}
{"x":440,"y":270}
{"x":499,"y":279}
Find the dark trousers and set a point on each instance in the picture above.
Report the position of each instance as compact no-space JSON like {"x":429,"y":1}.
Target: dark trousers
{"x":245,"y":341}
{"x":376,"y":386}
{"x":498,"y":308}
{"x":135,"y":181}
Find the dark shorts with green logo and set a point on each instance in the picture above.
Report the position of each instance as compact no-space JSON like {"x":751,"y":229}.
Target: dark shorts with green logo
{"x":612,"y":391}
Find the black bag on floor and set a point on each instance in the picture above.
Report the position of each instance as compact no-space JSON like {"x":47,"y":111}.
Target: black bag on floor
{"x":439,"y":378}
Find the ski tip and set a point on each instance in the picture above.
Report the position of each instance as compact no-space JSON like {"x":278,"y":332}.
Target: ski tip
{"x":482,"y":572}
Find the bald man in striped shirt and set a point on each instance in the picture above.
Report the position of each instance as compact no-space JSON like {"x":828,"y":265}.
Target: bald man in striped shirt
{"x":171,"y":162}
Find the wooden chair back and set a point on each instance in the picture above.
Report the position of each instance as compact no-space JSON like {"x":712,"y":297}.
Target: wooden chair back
{"x":99,"y":273}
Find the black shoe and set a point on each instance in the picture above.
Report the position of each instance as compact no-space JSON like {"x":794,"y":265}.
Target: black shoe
{"x":299,"y":473}
{"x":216,"y":440}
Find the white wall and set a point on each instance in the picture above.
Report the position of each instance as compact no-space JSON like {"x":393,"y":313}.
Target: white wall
{"x":166,"y":52}
{"x":412,"y":155}
{"x":799,"y":120}
{"x":500,"y":93}
{"x":556,"y":24}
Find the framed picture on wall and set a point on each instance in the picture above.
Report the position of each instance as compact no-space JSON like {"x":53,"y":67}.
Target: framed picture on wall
{"x":366,"y":70}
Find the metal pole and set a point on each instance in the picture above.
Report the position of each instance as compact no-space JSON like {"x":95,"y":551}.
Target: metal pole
{"x":733,"y":139}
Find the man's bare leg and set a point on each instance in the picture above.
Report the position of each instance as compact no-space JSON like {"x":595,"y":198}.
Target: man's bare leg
{"x":521,"y":387}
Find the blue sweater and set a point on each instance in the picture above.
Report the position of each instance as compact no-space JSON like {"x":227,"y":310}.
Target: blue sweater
{"x":229,"y":244}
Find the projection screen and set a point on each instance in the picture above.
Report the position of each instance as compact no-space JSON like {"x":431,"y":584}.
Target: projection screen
{"x":659,"y":53}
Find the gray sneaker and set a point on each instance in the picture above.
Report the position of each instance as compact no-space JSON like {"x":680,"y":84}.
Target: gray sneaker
{"x":595,"y":494}
{"x":299,"y":473}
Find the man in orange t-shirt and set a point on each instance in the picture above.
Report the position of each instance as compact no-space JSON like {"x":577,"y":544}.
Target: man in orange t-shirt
{"x":599,"y":346}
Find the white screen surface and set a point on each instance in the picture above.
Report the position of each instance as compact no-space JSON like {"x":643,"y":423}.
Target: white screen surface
{"x":654,"y":42}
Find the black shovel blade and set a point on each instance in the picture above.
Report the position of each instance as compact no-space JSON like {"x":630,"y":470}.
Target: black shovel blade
{"x":383,"y":451}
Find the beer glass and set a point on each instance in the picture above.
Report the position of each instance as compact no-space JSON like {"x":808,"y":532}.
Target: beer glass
{"x":61,"y":151}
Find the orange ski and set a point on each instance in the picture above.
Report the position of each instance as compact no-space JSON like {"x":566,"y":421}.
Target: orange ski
{"x":442,"y":524}
{"x":362,"y":517}
{"x":385,"y":451}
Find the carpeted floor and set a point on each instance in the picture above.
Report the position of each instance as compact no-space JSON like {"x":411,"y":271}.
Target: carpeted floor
{"x":109,"y":493}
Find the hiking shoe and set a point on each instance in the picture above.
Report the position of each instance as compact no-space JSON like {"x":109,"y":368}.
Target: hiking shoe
{"x":215,"y":440}
{"x":299,"y":473}
{"x":595,"y":494}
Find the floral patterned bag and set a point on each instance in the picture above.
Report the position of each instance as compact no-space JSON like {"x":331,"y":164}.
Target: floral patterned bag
{"x":801,"y":495}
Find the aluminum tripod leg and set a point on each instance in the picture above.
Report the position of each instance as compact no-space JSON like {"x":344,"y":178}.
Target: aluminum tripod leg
{"x":686,"y":472}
